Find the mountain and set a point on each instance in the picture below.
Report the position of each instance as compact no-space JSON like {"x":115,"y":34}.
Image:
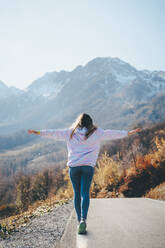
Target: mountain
{"x":115,"y":93}
{"x":3,"y":89}
{"x":49,"y":85}
{"x":6,"y":92}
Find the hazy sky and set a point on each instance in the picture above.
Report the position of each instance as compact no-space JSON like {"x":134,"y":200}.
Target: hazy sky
{"x":37,"y":36}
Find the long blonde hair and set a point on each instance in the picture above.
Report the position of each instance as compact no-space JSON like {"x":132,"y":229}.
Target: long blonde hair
{"x":83,"y":120}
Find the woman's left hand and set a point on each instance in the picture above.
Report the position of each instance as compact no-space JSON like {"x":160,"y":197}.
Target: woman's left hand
{"x":33,"y":132}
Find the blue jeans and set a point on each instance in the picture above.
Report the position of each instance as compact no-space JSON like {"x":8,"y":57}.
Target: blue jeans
{"x":81,"y":178}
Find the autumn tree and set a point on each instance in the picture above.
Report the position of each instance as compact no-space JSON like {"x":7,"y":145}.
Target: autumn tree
{"x":23,"y":193}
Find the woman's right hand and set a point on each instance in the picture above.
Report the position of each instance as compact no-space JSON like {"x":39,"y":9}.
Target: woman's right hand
{"x":137,"y":130}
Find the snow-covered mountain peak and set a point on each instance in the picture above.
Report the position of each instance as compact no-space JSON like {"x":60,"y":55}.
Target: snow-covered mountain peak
{"x":111,"y":65}
{"x":49,"y":85}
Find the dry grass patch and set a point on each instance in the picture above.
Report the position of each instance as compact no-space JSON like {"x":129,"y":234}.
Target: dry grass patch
{"x":157,"y":193}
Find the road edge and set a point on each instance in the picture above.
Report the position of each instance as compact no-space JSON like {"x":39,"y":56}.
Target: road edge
{"x":69,"y":237}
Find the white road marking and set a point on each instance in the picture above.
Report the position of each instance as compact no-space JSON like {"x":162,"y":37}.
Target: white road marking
{"x":82,"y":241}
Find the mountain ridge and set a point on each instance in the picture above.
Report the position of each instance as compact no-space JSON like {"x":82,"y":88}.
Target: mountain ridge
{"x":104,"y":87}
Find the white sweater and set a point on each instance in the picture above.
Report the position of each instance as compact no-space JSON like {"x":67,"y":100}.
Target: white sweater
{"x":80,"y":151}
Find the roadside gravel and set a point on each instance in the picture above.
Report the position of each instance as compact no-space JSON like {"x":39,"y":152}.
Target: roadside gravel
{"x":43,"y":231}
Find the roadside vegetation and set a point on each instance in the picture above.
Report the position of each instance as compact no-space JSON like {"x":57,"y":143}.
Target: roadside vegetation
{"x":111,"y":179}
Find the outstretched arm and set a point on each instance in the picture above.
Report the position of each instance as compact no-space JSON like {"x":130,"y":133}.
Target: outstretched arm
{"x":116,"y":134}
{"x":58,"y":134}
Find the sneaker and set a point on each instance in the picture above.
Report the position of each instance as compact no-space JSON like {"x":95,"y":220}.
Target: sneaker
{"x":82,"y":227}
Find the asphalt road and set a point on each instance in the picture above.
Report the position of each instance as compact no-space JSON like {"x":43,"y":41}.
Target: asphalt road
{"x":119,"y":223}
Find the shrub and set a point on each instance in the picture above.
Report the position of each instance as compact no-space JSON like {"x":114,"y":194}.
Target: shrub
{"x":8,"y":210}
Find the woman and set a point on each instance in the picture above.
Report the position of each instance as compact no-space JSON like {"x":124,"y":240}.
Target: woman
{"x":83,"y":143}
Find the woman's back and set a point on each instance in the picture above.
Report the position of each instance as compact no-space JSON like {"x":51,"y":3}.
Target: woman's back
{"x":83,"y":151}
